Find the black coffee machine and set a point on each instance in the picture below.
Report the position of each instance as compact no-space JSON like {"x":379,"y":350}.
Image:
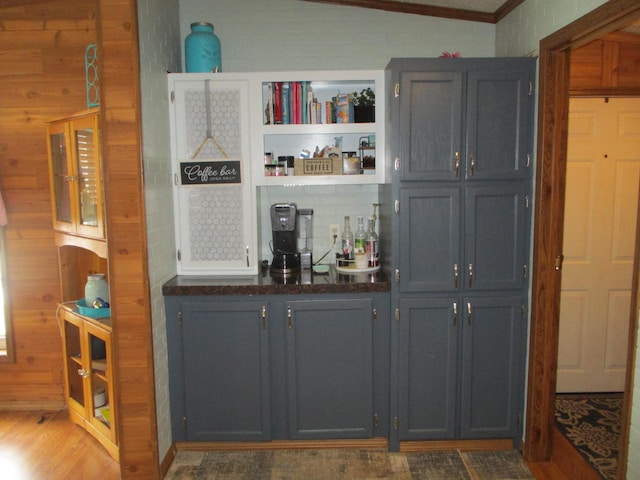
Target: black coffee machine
{"x":286,"y":260}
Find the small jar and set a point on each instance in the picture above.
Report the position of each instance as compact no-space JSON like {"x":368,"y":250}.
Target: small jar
{"x":202,"y":49}
{"x":96,"y":287}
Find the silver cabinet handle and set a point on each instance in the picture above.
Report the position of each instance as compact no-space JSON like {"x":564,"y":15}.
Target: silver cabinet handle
{"x":456,"y":275}
{"x":289,"y":318}
{"x":83,"y":373}
{"x":470,"y":275}
{"x":469,"y":310}
{"x":264,"y":317}
{"x":457,"y":164}
{"x":472,"y":167}
{"x":455,"y":314}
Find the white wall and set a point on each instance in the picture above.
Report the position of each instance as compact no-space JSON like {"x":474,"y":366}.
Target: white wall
{"x":259,"y":35}
{"x":159,"y":41}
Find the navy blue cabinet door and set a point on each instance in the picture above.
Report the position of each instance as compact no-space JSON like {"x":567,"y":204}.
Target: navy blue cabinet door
{"x":429,"y":257}
{"x":330,"y":368}
{"x":430,"y":125}
{"x":492,"y":367}
{"x":226,"y":370}
{"x":428,"y":368}
{"x":499,"y":112}
{"x":494,"y":242}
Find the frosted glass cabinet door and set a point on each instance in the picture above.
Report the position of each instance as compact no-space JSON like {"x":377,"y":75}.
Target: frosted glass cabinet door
{"x":214,"y":208}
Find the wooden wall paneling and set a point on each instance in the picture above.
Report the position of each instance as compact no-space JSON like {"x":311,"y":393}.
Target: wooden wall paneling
{"x":126,"y":236}
{"x":41,"y":76}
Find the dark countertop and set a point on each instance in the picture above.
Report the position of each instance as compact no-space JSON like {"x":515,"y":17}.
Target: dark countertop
{"x":264,"y":284}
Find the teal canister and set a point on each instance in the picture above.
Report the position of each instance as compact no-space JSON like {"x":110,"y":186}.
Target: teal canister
{"x":202,"y":49}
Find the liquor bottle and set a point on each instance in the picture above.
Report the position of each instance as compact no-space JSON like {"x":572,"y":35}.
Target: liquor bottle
{"x":360,"y":238}
{"x":373,"y":245}
{"x":347,"y":240}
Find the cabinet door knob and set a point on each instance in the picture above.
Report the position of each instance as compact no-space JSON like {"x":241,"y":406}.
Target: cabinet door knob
{"x":83,"y":373}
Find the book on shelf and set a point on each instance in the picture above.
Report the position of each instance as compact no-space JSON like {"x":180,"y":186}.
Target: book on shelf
{"x":277,"y":102}
{"x":291,"y":103}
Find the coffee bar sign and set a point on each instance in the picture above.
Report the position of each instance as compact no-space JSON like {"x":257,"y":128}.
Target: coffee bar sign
{"x":210,"y":173}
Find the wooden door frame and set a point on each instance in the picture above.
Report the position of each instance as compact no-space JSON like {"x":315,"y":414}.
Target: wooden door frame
{"x":553,"y":108}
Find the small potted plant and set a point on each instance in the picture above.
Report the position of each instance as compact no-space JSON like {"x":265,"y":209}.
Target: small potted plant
{"x":364,"y":106}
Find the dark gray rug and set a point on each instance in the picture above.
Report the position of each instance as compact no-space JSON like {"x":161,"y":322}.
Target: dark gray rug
{"x":592,"y":424}
{"x":347,"y":464}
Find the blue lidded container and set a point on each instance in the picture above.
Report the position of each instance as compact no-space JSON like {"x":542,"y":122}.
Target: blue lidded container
{"x":202,"y":49}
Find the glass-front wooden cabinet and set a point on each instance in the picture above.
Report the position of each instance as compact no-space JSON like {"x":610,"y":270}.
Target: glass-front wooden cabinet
{"x":88,"y":375}
{"x":76,"y":174}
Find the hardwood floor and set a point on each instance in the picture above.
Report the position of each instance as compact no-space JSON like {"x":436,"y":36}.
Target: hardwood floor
{"x":53,"y":449}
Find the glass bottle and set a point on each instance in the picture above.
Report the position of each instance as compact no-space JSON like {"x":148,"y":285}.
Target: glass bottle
{"x":373,"y":245}
{"x":360,"y":238}
{"x":96,"y":287}
{"x":347,"y":240}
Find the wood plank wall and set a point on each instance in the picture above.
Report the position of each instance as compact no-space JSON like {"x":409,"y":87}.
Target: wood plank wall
{"x":127,"y":240}
{"x":610,"y":66}
{"x":41,"y":76}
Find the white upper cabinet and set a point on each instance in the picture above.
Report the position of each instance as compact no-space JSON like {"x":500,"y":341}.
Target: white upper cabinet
{"x":214,"y":203}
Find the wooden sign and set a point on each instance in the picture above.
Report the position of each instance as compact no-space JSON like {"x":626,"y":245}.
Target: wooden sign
{"x":210,"y":173}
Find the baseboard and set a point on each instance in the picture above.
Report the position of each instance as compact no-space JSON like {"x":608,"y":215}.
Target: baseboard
{"x":465,"y":445}
{"x":168,"y":460}
{"x":368,"y":443}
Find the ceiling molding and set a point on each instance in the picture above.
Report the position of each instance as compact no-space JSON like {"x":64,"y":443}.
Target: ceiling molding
{"x":429,"y":10}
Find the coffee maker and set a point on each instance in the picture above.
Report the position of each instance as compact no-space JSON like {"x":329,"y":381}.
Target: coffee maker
{"x":286,"y":260}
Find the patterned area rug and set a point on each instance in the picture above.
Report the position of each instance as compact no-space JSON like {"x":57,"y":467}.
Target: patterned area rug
{"x":592,"y":424}
{"x":347,"y":464}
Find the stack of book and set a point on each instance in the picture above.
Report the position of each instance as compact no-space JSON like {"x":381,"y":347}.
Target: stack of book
{"x":293,"y":103}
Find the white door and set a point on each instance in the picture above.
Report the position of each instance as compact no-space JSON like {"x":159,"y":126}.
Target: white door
{"x":599,"y":239}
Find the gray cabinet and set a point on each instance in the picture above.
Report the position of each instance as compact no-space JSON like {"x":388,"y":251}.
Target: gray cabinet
{"x":461,"y":187}
{"x":330,"y":368}
{"x":460,"y":367}
{"x":225,"y":370}
{"x":278,"y":367}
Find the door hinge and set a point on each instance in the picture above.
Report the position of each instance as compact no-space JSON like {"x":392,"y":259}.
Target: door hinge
{"x":179,"y":254}
{"x":397,"y":275}
{"x":179,"y":318}
{"x":396,"y":315}
{"x":396,"y":90}
{"x":559,"y":260}
{"x":374,"y":315}
{"x":396,"y":423}
{"x":396,"y":163}
{"x":375,"y":420}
